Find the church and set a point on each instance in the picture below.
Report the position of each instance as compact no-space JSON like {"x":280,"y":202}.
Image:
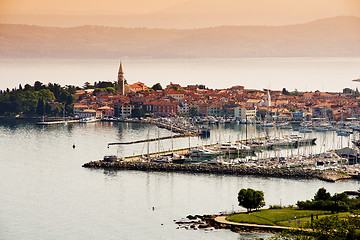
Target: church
{"x":123,"y":88}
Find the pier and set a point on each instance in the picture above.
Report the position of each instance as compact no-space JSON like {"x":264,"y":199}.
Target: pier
{"x":186,"y":130}
{"x":47,"y":123}
{"x":150,"y":140}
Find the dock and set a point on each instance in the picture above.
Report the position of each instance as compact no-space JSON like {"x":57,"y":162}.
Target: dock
{"x":151,"y":139}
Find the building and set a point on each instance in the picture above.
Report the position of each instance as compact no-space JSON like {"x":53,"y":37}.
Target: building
{"x":245,"y":113}
{"x":138,"y":86}
{"x":162,"y":108}
{"x":107,"y":111}
{"x":298,"y":116}
{"x":267,"y":102}
{"x":183,"y":108}
{"x":123,"y":109}
{"x":78,"y":108}
{"x":214,"y":109}
{"x":178,"y":96}
{"x":90,"y":113}
{"x":254,"y":102}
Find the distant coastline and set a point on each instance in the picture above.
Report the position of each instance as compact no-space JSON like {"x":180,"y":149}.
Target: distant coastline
{"x":99,"y":42}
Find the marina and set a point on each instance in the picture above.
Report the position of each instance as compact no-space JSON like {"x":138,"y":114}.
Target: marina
{"x":281,"y":151}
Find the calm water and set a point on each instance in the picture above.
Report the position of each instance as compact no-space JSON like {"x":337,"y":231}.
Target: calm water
{"x":46,"y":194}
{"x":305,"y":74}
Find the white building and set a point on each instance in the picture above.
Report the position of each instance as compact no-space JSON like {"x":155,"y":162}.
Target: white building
{"x":183,"y":108}
{"x":245,"y":113}
{"x":267,"y":102}
{"x":90,"y":113}
{"x":125,"y":110}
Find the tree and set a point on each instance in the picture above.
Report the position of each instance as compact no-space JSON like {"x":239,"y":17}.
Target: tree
{"x":176,"y":88}
{"x":87,"y":85}
{"x":103,"y":84}
{"x":322,"y":194}
{"x":28,"y":87}
{"x":251,"y":199}
{"x":157,"y":86}
{"x":332,"y":227}
{"x":137,"y":112}
{"x":193,"y":111}
{"x":285,"y":92}
{"x":40,"y":109}
{"x":110,"y":90}
{"x":38,"y":86}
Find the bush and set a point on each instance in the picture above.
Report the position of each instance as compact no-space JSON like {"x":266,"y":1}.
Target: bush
{"x":276,"y":207}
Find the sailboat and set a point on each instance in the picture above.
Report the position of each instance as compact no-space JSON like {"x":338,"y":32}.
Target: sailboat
{"x":64,"y":119}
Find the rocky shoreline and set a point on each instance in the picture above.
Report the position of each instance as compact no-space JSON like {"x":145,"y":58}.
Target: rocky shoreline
{"x":208,"y":223}
{"x":211,"y":169}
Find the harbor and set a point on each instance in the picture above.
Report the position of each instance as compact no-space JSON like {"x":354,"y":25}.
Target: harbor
{"x":272,"y":154}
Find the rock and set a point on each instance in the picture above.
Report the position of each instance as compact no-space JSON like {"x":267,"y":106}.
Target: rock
{"x":203,"y":226}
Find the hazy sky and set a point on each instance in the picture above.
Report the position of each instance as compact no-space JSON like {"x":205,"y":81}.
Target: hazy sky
{"x":174,"y":13}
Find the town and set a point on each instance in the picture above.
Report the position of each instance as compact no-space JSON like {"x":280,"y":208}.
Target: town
{"x":138,"y":100}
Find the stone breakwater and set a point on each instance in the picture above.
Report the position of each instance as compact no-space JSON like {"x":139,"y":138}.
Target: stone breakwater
{"x":210,"y":169}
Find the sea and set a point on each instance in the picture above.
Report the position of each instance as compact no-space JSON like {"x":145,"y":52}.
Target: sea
{"x":47,"y":194}
{"x":302,"y":74}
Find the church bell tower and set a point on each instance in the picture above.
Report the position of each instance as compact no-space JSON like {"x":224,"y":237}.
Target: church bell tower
{"x":121,"y":81}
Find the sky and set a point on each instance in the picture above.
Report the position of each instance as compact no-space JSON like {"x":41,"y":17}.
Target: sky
{"x":84,"y":6}
{"x":173,"y":13}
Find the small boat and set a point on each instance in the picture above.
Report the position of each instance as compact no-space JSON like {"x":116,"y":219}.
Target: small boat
{"x":343,"y":133}
{"x":88,"y":120}
{"x":204,"y":131}
{"x":285,"y":126}
{"x":217,"y":161}
{"x":161,"y":159}
{"x":110,"y":158}
{"x":237,"y":146}
{"x":305,"y":130}
{"x":203,"y":153}
{"x":320,"y":129}
{"x":267,"y":125}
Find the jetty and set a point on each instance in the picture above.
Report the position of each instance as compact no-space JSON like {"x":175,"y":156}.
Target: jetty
{"x":47,"y":123}
{"x":150,"y":140}
{"x":216,"y":169}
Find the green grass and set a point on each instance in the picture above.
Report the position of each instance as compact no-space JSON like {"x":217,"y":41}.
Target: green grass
{"x":280,"y":217}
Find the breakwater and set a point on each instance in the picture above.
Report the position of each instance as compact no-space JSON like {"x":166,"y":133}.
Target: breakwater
{"x":217,"y":169}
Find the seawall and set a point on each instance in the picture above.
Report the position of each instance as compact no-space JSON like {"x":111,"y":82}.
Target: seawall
{"x":210,"y":169}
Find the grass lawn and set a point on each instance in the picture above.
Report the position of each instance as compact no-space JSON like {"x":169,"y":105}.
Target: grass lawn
{"x":280,"y":217}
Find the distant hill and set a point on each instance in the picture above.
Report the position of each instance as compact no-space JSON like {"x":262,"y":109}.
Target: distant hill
{"x":332,"y":37}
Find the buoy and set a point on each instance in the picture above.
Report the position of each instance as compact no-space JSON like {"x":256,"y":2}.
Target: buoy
{"x":74,"y":146}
